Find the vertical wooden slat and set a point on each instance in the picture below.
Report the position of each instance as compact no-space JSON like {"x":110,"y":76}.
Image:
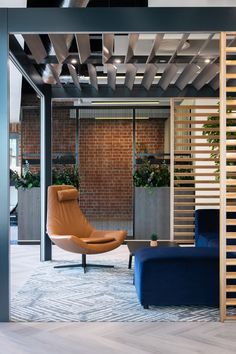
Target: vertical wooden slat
{"x":222,"y":176}
{"x":189,"y":157}
{"x":228,"y":177}
{"x":172,"y":163}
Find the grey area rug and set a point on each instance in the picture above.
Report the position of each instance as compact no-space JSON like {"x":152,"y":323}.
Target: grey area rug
{"x":99,"y":295}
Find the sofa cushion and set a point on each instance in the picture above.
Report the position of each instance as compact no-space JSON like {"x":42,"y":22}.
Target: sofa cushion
{"x":177,"y":276}
{"x":214,"y":242}
{"x":209,"y":239}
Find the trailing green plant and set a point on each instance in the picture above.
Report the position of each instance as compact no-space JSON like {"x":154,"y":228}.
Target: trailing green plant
{"x":213,"y":137}
{"x":212,"y":123}
{"x":150,"y":175}
{"x":30,"y":179}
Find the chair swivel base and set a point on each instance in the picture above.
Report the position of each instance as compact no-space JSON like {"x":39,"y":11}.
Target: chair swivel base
{"x":84,"y":265}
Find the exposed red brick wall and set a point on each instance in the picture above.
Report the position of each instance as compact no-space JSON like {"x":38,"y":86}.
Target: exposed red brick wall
{"x":64,"y":132}
{"x":105,"y":149}
{"x":150,"y":134}
{"x":30,"y":129}
{"x":106,"y":167}
{"x":106,"y":163}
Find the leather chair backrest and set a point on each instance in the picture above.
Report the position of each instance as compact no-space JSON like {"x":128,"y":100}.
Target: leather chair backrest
{"x":65,"y":217}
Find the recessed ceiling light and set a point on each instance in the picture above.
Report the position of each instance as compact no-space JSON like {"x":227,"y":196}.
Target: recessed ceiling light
{"x":147,"y":102}
{"x":162,"y":61}
{"x":207,"y":61}
{"x":117,"y":61}
{"x":74,"y":61}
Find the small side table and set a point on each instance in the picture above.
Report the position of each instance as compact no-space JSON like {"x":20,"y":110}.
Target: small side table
{"x":135,"y":245}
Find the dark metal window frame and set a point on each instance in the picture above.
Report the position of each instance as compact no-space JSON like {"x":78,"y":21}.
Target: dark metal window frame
{"x":15,"y":136}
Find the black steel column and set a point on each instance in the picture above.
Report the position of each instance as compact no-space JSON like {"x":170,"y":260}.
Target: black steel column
{"x":134,"y":165}
{"x":77,"y":138}
{"x":45,"y":168}
{"x":4,"y":171}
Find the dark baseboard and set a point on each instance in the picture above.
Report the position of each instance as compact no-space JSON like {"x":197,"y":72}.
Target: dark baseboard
{"x":28,"y":242}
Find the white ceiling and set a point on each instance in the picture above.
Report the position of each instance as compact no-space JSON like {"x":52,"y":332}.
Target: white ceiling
{"x":13,"y":3}
{"x":192,"y":3}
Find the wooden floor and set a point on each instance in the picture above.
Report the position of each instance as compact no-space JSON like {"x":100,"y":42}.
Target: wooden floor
{"x":106,"y":338}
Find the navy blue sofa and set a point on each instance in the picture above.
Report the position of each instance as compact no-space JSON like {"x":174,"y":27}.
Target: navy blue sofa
{"x":207,"y":228}
{"x":177,"y":276}
{"x":182,"y":276}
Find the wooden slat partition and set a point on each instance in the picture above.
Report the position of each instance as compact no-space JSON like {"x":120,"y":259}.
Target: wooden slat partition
{"x":228,"y":179}
{"x":195,"y":175}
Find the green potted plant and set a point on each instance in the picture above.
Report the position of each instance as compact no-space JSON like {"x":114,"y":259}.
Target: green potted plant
{"x":152,"y":200}
{"x":30,"y":179}
{"x":151,"y":175}
{"x":153,"y":241}
{"x":28,"y":185}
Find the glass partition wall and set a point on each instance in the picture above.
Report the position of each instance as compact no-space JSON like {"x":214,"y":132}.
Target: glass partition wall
{"x":151,"y":173}
{"x":120,"y":154}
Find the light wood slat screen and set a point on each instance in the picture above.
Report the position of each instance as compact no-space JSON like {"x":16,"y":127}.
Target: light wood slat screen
{"x":195,"y":164}
{"x":228,"y":176}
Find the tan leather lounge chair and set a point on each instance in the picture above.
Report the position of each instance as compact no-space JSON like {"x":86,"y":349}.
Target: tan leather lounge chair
{"x":69,"y":229}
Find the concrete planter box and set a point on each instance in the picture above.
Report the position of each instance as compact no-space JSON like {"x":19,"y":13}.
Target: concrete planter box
{"x":152,"y":212}
{"x":29,"y":215}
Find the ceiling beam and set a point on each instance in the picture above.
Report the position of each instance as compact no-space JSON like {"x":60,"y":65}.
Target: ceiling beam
{"x":186,"y":76}
{"x":54,"y":74}
{"x":130,"y":74}
{"x":74,"y":75}
{"x":83,"y":45}
{"x":133,"y":39}
{"x":149,"y":75}
{"x":156,"y":44}
{"x":36,"y":47}
{"x":78,"y":3}
{"x":206,"y":75}
{"x":215,"y":83}
{"x":23,"y":63}
{"x":93,"y":76}
{"x":121,"y":20}
{"x":179,"y":46}
{"x":171,"y":69}
{"x":59,"y":46}
{"x":108,"y":46}
{"x":71,"y":91}
{"x":168,"y":76}
{"x":192,"y":69}
{"x":111,"y":76}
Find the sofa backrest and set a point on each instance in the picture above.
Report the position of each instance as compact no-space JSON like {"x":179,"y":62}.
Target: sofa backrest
{"x":207,"y":223}
{"x":207,"y":220}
